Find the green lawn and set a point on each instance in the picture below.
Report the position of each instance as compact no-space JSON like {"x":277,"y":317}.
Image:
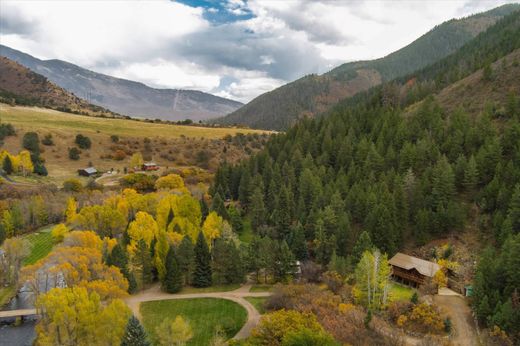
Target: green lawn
{"x":6,"y":293}
{"x":214,"y":288}
{"x":400,"y":292}
{"x":247,"y":233}
{"x":261,"y":288}
{"x":41,"y":244}
{"x":203,"y":314}
{"x":258,"y":303}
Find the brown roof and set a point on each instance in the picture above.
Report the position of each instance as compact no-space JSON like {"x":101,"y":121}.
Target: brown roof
{"x":424,"y":267}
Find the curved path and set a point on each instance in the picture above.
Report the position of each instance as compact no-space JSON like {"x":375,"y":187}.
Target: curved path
{"x":237,"y":296}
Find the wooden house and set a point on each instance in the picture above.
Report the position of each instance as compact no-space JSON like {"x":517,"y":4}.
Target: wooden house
{"x":411,"y":270}
{"x":87,"y":172}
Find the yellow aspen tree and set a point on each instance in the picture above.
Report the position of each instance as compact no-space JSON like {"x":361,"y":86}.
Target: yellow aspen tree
{"x":143,"y":227}
{"x":26,"y":165}
{"x":71,"y":210}
{"x":212,"y":227}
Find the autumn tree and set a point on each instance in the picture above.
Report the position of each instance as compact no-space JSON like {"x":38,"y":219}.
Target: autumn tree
{"x":372,"y":276}
{"x":58,"y":232}
{"x":177,"y":332}
{"x":71,"y":210}
{"x":88,"y":322}
{"x":15,"y":250}
{"x":171,"y":182}
{"x":202,"y":274}
{"x":136,"y":161}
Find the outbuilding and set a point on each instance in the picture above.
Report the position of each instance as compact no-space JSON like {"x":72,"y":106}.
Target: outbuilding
{"x":87,"y":172}
{"x":150,"y":166}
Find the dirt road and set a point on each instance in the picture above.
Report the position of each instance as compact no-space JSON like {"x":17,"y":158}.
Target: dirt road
{"x":238,"y":295}
{"x":463,"y":326}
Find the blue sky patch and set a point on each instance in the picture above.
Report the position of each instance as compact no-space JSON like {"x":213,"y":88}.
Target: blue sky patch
{"x":220,"y":12}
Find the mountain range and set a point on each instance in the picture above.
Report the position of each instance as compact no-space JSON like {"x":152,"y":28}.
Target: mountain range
{"x":315,"y":94}
{"x":124,"y":96}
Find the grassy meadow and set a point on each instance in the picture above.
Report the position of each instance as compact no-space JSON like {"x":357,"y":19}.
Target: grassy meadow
{"x":37,"y":119}
{"x":41,"y":244}
{"x":203,"y":314}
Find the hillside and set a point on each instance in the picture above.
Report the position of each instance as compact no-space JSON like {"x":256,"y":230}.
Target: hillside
{"x":125,"y":96}
{"x":314,"y":94}
{"x":22,"y":86}
{"x":409,"y":162}
{"x":169,"y":145}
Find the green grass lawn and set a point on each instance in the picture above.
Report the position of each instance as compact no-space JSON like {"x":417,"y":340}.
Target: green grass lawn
{"x":214,"y":288}
{"x":258,"y":303}
{"x":6,"y":293}
{"x":261,"y":288}
{"x":203,"y":314}
{"x":400,"y":292}
{"x":41,"y":244}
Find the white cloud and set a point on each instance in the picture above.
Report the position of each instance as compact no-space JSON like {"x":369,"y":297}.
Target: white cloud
{"x":168,"y":44}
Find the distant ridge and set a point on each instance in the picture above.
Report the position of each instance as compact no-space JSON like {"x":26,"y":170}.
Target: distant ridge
{"x":314,"y":94}
{"x":125,"y":96}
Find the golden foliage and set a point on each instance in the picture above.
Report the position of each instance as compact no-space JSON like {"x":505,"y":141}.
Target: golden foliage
{"x":176,"y":332}
{"x":58,"y":232}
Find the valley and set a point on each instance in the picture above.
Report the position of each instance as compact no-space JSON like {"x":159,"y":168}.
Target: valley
{"x":386,"y":211}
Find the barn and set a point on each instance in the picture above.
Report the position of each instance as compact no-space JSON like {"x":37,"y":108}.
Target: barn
{"x":411,"y":270}
{"x":87,"y":172}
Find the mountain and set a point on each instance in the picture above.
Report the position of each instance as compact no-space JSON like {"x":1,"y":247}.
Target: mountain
{"x":314,"y":94}
{"x":432,"y":156}
{"x":22,"y":86}
{"x":125,"y":96}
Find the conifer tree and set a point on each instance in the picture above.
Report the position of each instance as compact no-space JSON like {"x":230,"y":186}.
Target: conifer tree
{"x":173,"y":278}
{"x":185,"y":258}
{"x":257,"y":209}
{"x":135,"y":335}
{"x":202,"y":275}
{"x":298,"y":244}
{"x":143,"y":263}
{"x":364,"y":243}
{"x":7,"y":165}
{"x":217,"y":205}
{"x":3,"y":234}
{"x":169,"y":220}
{"x":204,"y":210}
{"x":471,"y":174}
{"x":514,"y":209}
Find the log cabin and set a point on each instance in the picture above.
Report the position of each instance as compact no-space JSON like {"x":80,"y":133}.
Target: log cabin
{"x":411,"y":270}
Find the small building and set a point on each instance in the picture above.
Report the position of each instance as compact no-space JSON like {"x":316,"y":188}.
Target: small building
{"x":411,"y":270}
{"x":87,"y":172}
{"x":150,"y":166}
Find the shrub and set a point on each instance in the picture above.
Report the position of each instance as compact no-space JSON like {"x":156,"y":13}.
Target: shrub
{"x":31,"y":142}
{"x":83,"y":142}
{"x":74,"y":153}
{"x":139,"y":181}
{"x":6,"y":130}
{"x":171,"y":182}
{"x":47,"y":140}
{"x":72,"y":185}
{"x":119,"y":155}
{"x":114,"y":138}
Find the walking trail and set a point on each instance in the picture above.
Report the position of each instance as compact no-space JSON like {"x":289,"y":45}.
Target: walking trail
{"x":238,"y":296}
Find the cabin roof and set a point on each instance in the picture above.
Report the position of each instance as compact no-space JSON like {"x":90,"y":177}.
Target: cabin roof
{"x":89,"y":170}
{"x":407,"y":262}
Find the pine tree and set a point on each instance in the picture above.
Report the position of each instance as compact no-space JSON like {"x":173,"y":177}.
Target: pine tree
{"x":135,"y":335}
{"x":364,"y":243}
{"x":298,"y":244}
{"x":173,"y":278}
{"x":514,"y":209}
{"x":143,"y":264}
{"x":3,"y":234}
{"x":186,"y":258}
{"x":217,"y":205}
{"x":7,"y":165}
{"x":204,"y":210}
{"x":257,"y":209}
{"x":171,"y":216}
{"x":202,"y":275}
{"x":284,"y":260}
{"x":471,"y":174}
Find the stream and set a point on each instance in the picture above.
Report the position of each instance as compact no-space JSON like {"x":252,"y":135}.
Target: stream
{"x":18,"y":335}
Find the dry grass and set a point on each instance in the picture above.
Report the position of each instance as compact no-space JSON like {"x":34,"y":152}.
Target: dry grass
{"x":172,"y":146}
{"x":32,"y":118}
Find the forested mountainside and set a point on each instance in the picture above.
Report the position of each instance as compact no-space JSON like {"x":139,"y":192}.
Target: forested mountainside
{"x":313,"y":94}
{"x":19,"y":85}
{"x":391,"y":167}
{"x":125,"y":96}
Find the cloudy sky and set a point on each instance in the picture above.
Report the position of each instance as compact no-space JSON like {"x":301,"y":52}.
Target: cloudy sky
{"x":232,"y":48}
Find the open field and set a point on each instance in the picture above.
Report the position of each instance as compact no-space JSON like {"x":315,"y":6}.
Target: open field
{"x":203,"y":314}
{"x":41,"y":244}
{"x":31,"y":118}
